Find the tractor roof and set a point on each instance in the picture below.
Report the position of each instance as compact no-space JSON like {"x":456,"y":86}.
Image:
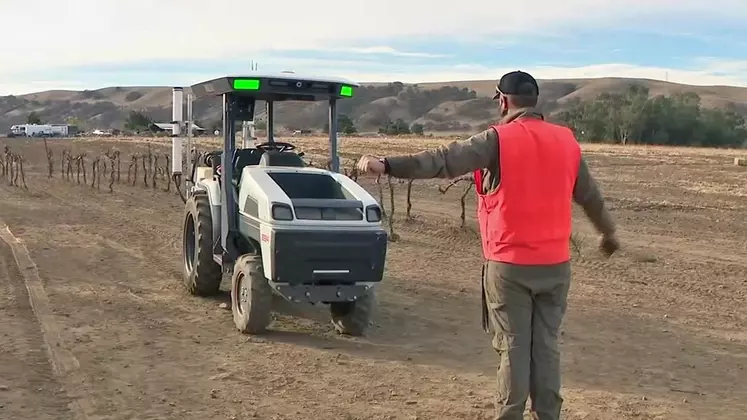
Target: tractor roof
{"x":284,"y":86}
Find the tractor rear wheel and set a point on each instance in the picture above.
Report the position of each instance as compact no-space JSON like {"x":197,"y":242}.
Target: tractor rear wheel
{"x":202,"y":275}
{"x":353,"y":318}
{"x":251,"y":296}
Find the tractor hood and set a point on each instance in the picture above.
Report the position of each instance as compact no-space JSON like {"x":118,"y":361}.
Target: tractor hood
{"x":309,"y":196}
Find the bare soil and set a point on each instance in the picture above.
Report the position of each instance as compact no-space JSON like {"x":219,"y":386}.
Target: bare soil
{"x":656,"y":332}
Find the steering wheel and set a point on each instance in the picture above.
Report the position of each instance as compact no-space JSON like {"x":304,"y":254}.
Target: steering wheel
{"x":278,"y":145}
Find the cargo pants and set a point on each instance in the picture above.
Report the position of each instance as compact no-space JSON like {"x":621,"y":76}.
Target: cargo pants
{"x":524,"y":306}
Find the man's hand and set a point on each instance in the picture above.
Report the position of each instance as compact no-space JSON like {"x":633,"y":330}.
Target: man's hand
{"x":608,"y":244}
{"x":371,"y":164}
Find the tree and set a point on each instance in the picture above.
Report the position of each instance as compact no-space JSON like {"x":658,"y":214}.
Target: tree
{"x":395,"y":128}
{"x":137,"y":121}
{"x":634,"y":117}
{"x":75,"y":121}
{"x":417,"y":129}
{"x":33,"y":118}
{"x":344,"y":125}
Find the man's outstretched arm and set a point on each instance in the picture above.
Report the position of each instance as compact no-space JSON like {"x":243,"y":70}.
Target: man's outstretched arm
{"x":450,"y":161}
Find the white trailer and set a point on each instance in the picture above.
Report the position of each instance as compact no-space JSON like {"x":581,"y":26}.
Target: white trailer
{"x":43,"y":130}
{"x":32,"y":130}
{"x":60,"y":130}
{"x":18,"y":130}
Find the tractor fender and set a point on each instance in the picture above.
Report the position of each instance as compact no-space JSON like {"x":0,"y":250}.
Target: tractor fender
{"x":212,"y":187}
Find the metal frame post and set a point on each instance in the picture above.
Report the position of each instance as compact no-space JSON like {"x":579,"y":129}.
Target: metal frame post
{"x":229,"y":211}
{"x":188,"y":125}
{"x":270,"y":122}
{"x":334,"y":158}
{"x":177,"y":118}
{"x":246,"y":134}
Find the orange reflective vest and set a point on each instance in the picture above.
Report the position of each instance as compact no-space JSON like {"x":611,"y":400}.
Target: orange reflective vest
{"x":527,"y":219}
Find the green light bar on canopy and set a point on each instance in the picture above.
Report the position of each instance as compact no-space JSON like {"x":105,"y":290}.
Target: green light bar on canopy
{"x":246,"y":84}
{"x":346,"y":91}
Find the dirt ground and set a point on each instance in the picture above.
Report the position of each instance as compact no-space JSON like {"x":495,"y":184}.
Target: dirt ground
{"x":656,"y":332}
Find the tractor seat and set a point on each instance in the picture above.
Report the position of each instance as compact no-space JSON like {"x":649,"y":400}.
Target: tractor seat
{"x":275,"y":158}
{"x":243,"y":158}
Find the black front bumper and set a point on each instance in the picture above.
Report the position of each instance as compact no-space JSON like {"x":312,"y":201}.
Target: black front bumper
{"x":326,"y":294}
{"x":328,"y":258}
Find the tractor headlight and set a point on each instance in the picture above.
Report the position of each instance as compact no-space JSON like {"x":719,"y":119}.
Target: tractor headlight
{"x":373,"y":213}
{"x":282,"y":212}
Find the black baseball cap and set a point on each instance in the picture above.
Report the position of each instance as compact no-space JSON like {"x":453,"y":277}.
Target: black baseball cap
{"x":514,"y":83}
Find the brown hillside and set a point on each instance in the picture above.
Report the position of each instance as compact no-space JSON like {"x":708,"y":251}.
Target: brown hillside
{"x":447,"y":106}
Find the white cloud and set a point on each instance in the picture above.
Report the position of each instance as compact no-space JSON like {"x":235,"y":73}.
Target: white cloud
{"x":703,"y":77}
{"x":79,"y":32}
{"x":42,"y":35}
{"x":704,"y":71}
{"x":389,"y":51}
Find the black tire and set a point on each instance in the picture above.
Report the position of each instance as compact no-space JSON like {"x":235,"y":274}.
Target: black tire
{"x":251,"y":296}
{"x":202,"y":275}
{"x":353,"y":318}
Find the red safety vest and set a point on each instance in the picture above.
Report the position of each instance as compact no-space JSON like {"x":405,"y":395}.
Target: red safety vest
{"x":527,"y":219}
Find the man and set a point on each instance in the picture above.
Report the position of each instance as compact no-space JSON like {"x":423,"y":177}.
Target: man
{"x":527,"y":173}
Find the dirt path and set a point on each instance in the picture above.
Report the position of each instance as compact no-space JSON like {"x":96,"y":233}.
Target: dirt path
{"x":657,"y":340}
{"x":29,"y":389}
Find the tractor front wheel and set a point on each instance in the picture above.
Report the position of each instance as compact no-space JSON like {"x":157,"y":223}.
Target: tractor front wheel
{"x":353,"y":318}
{"x":202,"y":275}
{"x":251,"y":296}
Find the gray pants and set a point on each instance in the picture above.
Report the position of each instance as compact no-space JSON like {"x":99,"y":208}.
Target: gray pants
{"x":525,"y":307}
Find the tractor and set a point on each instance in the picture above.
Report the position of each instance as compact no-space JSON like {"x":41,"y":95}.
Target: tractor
{"x":276,"y":225}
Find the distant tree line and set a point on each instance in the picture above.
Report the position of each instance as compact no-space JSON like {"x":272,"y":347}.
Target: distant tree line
{"x":633,"y":117}
{"x":399,"y":127}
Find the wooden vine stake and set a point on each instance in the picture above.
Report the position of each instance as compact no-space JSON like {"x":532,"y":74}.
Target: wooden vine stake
{"x":6,"y":160}
{"x":384,"y":215}
{"x":132,"y":171}
{"x":50,"y":161}
{"x":95,"y":171}
{"x":145,"y":172}
{"x":168,"y":178}
{"x":393,"y":236}
{"x":463,"y":199}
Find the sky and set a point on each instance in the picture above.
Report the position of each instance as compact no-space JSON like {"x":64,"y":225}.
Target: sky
{"x":90,"y":44}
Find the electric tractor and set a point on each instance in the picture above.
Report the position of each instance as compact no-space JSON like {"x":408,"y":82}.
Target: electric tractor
{"x":277,"y":226}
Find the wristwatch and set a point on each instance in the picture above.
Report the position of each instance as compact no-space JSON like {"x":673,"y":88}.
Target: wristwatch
{"x":386,"y":165}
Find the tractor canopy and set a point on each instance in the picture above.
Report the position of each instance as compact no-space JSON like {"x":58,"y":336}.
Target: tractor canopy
{"x":284,"y":86}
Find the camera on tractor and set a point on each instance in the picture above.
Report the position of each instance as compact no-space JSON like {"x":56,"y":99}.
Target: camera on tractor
{"x":276,"y":225}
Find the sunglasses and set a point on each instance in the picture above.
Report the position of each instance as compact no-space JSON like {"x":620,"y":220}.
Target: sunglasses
{"x":498,"y":93}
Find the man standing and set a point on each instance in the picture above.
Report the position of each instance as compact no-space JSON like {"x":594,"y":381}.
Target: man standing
{"x":527,"y":174}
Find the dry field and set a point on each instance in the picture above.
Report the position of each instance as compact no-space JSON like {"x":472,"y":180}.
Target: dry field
{"x":656,"y":332}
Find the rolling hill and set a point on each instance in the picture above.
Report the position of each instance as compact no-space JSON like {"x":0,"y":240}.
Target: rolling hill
{"x":459,"y":106}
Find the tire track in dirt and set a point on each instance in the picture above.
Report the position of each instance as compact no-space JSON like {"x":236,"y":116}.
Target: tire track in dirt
{"x":25,"y":284}
{"x":97,"y":209}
